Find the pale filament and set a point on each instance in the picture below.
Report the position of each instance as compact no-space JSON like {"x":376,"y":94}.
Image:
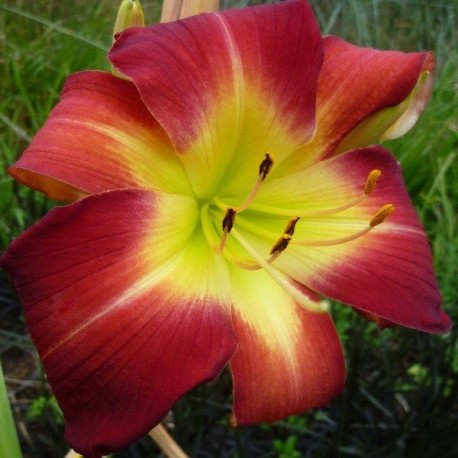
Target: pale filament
{"x":287,"y":236}
{"x":222,"y":242}
{"x":231,"y":212}
{"x":251,"y":196}
{"x":250,"y":264}
{"x":338,"y":241}
{"x":228,"y":223}
{"x":309,"y":214}
{"x":282,"y":279}
{"x":246,"y":264}
{"x":371,"y":181}
{"x":377,"y":219}
{"x":264,"y":169}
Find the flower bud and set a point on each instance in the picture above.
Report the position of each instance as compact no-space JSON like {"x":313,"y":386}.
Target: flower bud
{"x":130,"y":14}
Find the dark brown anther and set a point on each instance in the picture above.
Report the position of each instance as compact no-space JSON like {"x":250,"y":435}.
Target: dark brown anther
{"x":281,"y":244}
{"x":229,"y":219}
{"x":291,"y":226}
{"x":266,"y":166}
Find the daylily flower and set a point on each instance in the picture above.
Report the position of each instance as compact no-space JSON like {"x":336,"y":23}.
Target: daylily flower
{"x":211,"y":213}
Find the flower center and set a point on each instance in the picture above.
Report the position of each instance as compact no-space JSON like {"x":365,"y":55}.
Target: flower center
{"x":247,"y":256}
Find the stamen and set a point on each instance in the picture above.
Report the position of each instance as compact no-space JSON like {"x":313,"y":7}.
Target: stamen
{"x":291,"y":226}
{"x":372,"y":181}
{"x":382,"y":214}
{"x":246,"y":264}
{"x":250,"y":264}
{"x":228,"y":224}
{"x":282,"y":280}
{"x":264,"y":169}
{"x":229,"y":217}
{"x":377,"y":219}
{"x":228,"y":220}
{"x":277,"y":249}
{"x":318,"y":243}
{"x":266,"y":166}
{"x":310,"y":214}
{"x":281,"y":244}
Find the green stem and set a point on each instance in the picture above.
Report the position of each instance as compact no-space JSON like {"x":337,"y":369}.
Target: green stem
{"x":9,"y":443}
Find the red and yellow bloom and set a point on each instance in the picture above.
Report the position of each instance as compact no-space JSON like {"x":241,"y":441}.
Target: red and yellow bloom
{"x":211,"y":211}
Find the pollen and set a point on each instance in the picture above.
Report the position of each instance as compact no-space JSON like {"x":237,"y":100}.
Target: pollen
{"x":230,"y":213}
{"x":265,"y":259}
{"x":228,"y":224}
{"x":266,"y":166}
{"x":281,"y":244}
{"x":372,"y":181}
{"x":291,"y":226}
{"x":229,"y":219}
{"x":382,"y":214}
{"x":264,"y":169}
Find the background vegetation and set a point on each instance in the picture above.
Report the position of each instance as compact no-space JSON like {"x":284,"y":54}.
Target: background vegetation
{"x":401,"y":396}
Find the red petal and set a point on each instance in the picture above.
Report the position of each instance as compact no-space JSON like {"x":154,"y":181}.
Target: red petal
{"x":387,"y":272}
{"x":289,"y":359}
{"x":228,"y":98}
{"x":120,"y":342}
{"x":379,"y":321}
{"x":99,"y":137}
{"x":357,"y":82}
